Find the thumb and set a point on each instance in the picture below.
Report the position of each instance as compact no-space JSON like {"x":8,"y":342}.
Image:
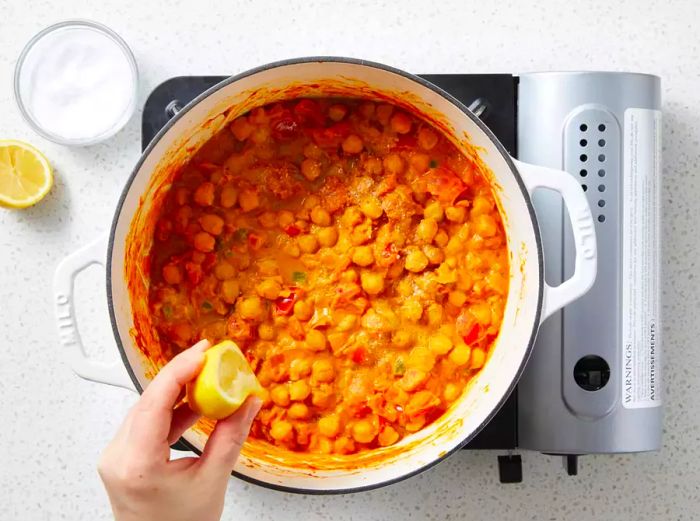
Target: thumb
{"x":225,"y":443}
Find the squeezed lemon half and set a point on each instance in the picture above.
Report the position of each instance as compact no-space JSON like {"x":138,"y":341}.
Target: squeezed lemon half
{"x":224,"y":383}
{"x":25,"y":174}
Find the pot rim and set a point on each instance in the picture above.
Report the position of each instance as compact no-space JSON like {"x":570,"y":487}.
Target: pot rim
{"x":450,"y":98}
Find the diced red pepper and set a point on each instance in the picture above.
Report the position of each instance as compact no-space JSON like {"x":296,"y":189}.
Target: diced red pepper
{"x":308,"y":111}
{"x":209,"y":261}
{"x":254,"y":241}
{"x":442,"y":183}
{"x":361,"y":410}
{"x":292,"y":230}
{"x":332,"y":136}
{"x":194,"y":272}
{"x":285,"y":305}
{"x":360,"y":355}
{"x":473,"y":335}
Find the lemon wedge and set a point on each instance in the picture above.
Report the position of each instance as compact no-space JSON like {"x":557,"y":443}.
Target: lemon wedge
{"x":25,"y":174}
{"x":224,"y":383}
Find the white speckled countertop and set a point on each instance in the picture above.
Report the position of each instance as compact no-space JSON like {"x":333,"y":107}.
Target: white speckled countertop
{"x":55,"y":425}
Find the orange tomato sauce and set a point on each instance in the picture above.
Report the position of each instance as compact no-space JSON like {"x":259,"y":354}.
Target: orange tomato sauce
{"x":353,"y":253}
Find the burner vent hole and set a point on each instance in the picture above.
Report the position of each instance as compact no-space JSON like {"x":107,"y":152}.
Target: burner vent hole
{"x":601,"y":158}
{"x":601,"y":142}
{"x":601,"y":127}
{"x":585,"y":187}
{"x":583,"y":142}
{"x":583,"y":158}
{"x":601,"y":173}
{"x":583,"y":172}
{"x":601,"y":188}
{"x":601,"y":203}
{"x":601,"y":218}
{"x":583,"y":127}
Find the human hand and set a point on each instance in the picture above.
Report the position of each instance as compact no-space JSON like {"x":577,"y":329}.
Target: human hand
{"x":142,"y":482}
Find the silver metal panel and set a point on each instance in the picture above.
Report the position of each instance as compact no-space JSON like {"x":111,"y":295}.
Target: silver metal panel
{"x":556,"y":111}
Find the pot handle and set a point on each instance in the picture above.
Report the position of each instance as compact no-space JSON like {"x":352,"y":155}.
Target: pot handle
{"x":576,"y":203}
{"x":63,"y":284}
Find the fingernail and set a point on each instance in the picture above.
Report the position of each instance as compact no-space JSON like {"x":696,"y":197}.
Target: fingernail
{"x":253,"y":408}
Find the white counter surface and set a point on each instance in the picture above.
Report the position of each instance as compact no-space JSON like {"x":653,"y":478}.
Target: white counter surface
{"x":55,"y":425}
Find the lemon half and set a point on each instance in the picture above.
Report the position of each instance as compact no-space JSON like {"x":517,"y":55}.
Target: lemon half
{"x":25,"y":174}
{"x":224,"y":383}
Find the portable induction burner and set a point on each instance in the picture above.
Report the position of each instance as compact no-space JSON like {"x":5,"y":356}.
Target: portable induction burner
{"x":593,"y":383}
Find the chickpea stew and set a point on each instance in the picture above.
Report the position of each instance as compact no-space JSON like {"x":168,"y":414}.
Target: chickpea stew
{"x":353,"y":253}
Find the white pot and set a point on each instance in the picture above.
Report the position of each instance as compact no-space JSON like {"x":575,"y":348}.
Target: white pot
{"x":530,"y":299}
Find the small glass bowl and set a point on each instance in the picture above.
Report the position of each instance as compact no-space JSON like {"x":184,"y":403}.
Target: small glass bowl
{"x":26,"y":112}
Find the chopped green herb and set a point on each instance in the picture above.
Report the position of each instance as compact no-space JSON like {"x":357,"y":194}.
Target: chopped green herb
{"x":206,"y":306}
{"x":167,"y":311}
{"x":299,"y":276}
{"x":399,"y":367}
{"x":241,"y":234}
{"x":433,"y":163}
{"x":228,"y":253}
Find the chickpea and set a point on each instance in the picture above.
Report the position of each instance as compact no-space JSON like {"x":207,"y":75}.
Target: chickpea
{"x":427,"y":138}
{"x":362,"y":256}
{"x":280,"y":430}
{"x":229,"y":291}
{"x":269,"y":289}
{"x":303,"y":310}
{"x":298,"y":411}
{"x":310,"y":168}
{"x":322,"y":370}
{"x":480,"y":205}
{"x":427,"y":229}
{"x":267,"y":219}
{"x":285,"y":218}
{"x":371,"y":207}
{"x":349,"y":275}
{"x":451,"y":392}
{"x":363,"y":431}
{"x":478,"y":358}
{"x":352,"y":216}
{"x":316,"y":340}
{"x":460,"y":354}
{"x":172,"y":274}
{"x":204,"y":242}
{"x":224,"y":271}
{"x":308,"y":243}
{"x":329,"y":425}
{"x":420,"y":162}
{"x":204,"y":194}
{"x":485,"y":225}
{"x":266,"y":331}
{"x":441,"y":238}
{"x":416,"y":261}
{"x":322,"y":395}
{"x":435,"y":255}
{"x":440,"y":344}
{"x":280,"y":395}
{"x":373,"y":165}
{"x":311,"y":201}
{"x":388,"y":436}
{"x":497,"y":282}
{"x":457,"y":298}
{"x":212,"y":223}
{"x":337,"y":112}
{"x":412,"y":310}
{"x":353,"y":144}
{"x":481,"y":312}
{"x":433,"y":210}
{"x":229,"y":196}
{"x":401,"y":338}
{"x":248,"y":200}
{"x":291,"y":249}
{"x":456,"y":214}
{"x":320,"y":216}
{"x":367,"y":109}
{"x":400,"y":123}
{"x":313,"y":151}
{"x":260,"y":135}
{"x":393,"y":164}
{"x":346,"y":322}
{"x":372,"y":283}
{"x":268,"y":267}
{"x":299,"y":390}
{"x":412,"y":379}
{"x":241,"y":128}
{"x":421,"y":358}
{"x":251,"y":308}
{"x":327,"y":236}
{"x":434,"y":313}
{"x":299,"y":367}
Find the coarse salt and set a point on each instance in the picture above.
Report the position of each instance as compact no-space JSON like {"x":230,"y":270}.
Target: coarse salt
{"x":78,"y":83}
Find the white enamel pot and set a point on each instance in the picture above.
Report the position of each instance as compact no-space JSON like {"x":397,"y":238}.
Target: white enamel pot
{"x":530,"y":299}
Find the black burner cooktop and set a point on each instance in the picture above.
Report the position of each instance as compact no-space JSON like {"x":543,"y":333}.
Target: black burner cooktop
{"x":495,"y":95}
